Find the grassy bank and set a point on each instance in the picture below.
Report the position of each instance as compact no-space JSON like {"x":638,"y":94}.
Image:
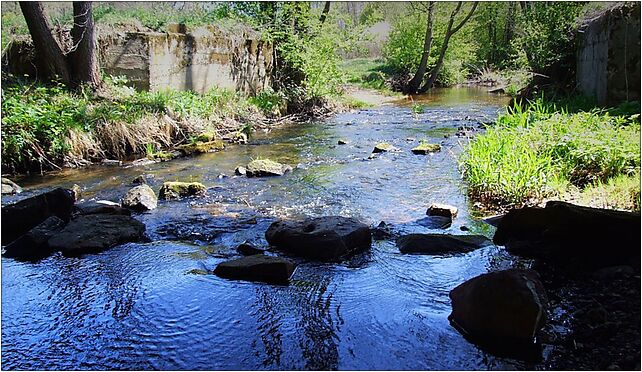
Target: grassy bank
{"x":546,"y":152}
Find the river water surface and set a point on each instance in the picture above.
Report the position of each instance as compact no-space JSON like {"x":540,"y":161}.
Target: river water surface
{"x":154,"y":305}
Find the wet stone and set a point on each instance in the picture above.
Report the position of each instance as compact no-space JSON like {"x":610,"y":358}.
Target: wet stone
{"x":257,"y":268}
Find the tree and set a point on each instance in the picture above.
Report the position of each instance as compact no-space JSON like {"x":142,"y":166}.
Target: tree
{"x":450,"y":31}
{"x":324,"y":13}
{"x":415,"y":82}
{"x":80,"y":64}
{"x":47,"y":47}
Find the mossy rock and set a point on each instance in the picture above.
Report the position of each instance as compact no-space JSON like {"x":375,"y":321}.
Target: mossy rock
{"x":205,"y":137}
{"x":266,"y":168}
{"x":162,"y":156}
{"x":177,"y":190}
{"x":426,"y":148}
{"x":201,"y":147}
{"x":383,"y":147}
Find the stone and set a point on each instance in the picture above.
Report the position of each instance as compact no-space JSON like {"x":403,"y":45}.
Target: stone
{"x":206,"y":136}
{"x":142,"y":162}
{"x":259,"y":268}
{"x":96,"y":207}
{"x":247,"y":249}
{"x":95,"y":233}
{"x":444,"y":210}
{"x":201,"y":147}
{"x":33,"y":245}
{"x":383,"y":147}
{"x":426,"y":148}
{"x":266,"y":168}
{"x":77,"y":190}
{"x":572,"y":235}
{"x":140,"y":198}
{"x":112,"y":162}
{"x":140,"y":180}
{"x":321,"y":238}
{"x":240,"y":171}
{"x":10,"y":187}
{"x":381,"y":231}
{"x":20,"y":217}
{"x":342,"y":142}
{"x":440,"y":243}
{"x":503,"y":307}
{"x":178,"y":190}
{"x":435,"y":222}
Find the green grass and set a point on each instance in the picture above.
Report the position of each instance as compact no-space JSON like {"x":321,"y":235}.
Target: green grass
{"x":542,"y":151}
{"x":368,"y":73}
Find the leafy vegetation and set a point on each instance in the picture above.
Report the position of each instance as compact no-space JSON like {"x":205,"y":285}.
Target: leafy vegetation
{"x":545,"y":150}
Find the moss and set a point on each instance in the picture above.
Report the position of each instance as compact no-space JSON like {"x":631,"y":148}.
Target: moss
{"x":426,"y":148}
{"x":162,"y":156}
{"x":201,"y":147}
{"x":205,"y":137}
{"x":177,"y":190}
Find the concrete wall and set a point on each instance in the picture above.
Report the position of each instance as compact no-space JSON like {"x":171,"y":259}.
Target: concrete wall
{"x":608,"y":59}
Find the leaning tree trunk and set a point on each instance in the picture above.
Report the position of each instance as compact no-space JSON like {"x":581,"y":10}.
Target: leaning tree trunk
{"x":450,"y":31}
{"x":415,"y":82}
{"x":324,"y":13}
{"x":47,"y":48}
{"x":83,"y":58}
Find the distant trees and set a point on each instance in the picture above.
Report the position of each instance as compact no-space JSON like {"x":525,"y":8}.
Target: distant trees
{"x":79,"y":64}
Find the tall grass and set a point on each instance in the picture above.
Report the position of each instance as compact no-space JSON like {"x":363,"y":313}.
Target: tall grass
{"x":540,"y":151}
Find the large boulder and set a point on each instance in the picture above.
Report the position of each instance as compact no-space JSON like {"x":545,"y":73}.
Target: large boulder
{"x":95,"y":233}
{"x":178,"y":190}
{"x":440,"y":243}
{"x":321,"y":238}
{"x":33,"y":245}
{"x":140,"y":198}
{"x":266,"y":168}
{"x":260,"y":268}
{"x":26,"y":214}
{"x":570,"y":234}
{"x":503,"y":308}
{"x":10,"y":187}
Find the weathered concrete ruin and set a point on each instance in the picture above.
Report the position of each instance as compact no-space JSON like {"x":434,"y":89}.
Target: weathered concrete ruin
{"x":199,"y":60}
{"x":608,"y":59}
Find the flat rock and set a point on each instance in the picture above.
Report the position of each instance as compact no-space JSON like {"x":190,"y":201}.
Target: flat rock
{"x":95,"y":207}
{"x":95,"y":233}
{"x":426,"y":148}
{"x":266,"y":168}
{"x":435,"y":222}
{"x":321,"y":238}
{"x":33,"y":245}
{"x":140,"y":198}
{"x":383,"y":147}
{"x":445,"y":210}
{"x":260,"y":268}
{"x":178,"y":190}
{"x":26,"y":214}
{"x":568,"y":234}
{"x":10,"y":187}
{"x":503,"y":308}
{"x":440,"y":243}
{"x":201,"y":147}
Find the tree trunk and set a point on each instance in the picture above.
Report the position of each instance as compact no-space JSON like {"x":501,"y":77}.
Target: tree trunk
{"x":83,"y":58}
{"x":450,"y":31}
{"x":47,"y":48}
{"x":415,"y":82}
{"x":324,"y":13}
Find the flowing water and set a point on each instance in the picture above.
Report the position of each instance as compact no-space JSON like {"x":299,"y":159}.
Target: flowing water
{"x":154,"y":305}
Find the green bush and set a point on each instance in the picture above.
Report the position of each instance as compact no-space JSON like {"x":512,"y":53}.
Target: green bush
{"x":536,"y":152}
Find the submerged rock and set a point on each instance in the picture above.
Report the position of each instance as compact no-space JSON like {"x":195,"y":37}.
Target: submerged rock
{"x":440,"y":243}
{"x":247,"y":249}
{"x":10,"y":187}
{"x":321,"y":238}
{"x":503,"y":308}
{"x":112,"y":162}
{"x":258,"y":268}
{"x":99,"y":207}
{"x":444,"y":210}
{"x":177,"y":190}
{"x":26,"y":214}
{"x":140,"y":180}
{"x":95,"y":233}
{"x":33,"y":245}
{"x":565,"y":234}
{"x":201,"y":147}
{"x":140,"y":198}
{"x":426,"y":148}
{"x":266,"y":168}
{"x":383,"y":147}
{"x":435,"y":222}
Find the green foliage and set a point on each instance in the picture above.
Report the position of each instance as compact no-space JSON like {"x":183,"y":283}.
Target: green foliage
{"x":536,"y":152}
{"x":271,"y":103}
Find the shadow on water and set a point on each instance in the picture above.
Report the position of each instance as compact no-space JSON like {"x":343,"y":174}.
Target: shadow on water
{"x":155,"y":305}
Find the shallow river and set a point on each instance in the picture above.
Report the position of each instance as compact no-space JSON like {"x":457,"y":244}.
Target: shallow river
{"x":153,"y":305}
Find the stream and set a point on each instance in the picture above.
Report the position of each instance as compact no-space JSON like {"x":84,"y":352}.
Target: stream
{"x":155,"y":306}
